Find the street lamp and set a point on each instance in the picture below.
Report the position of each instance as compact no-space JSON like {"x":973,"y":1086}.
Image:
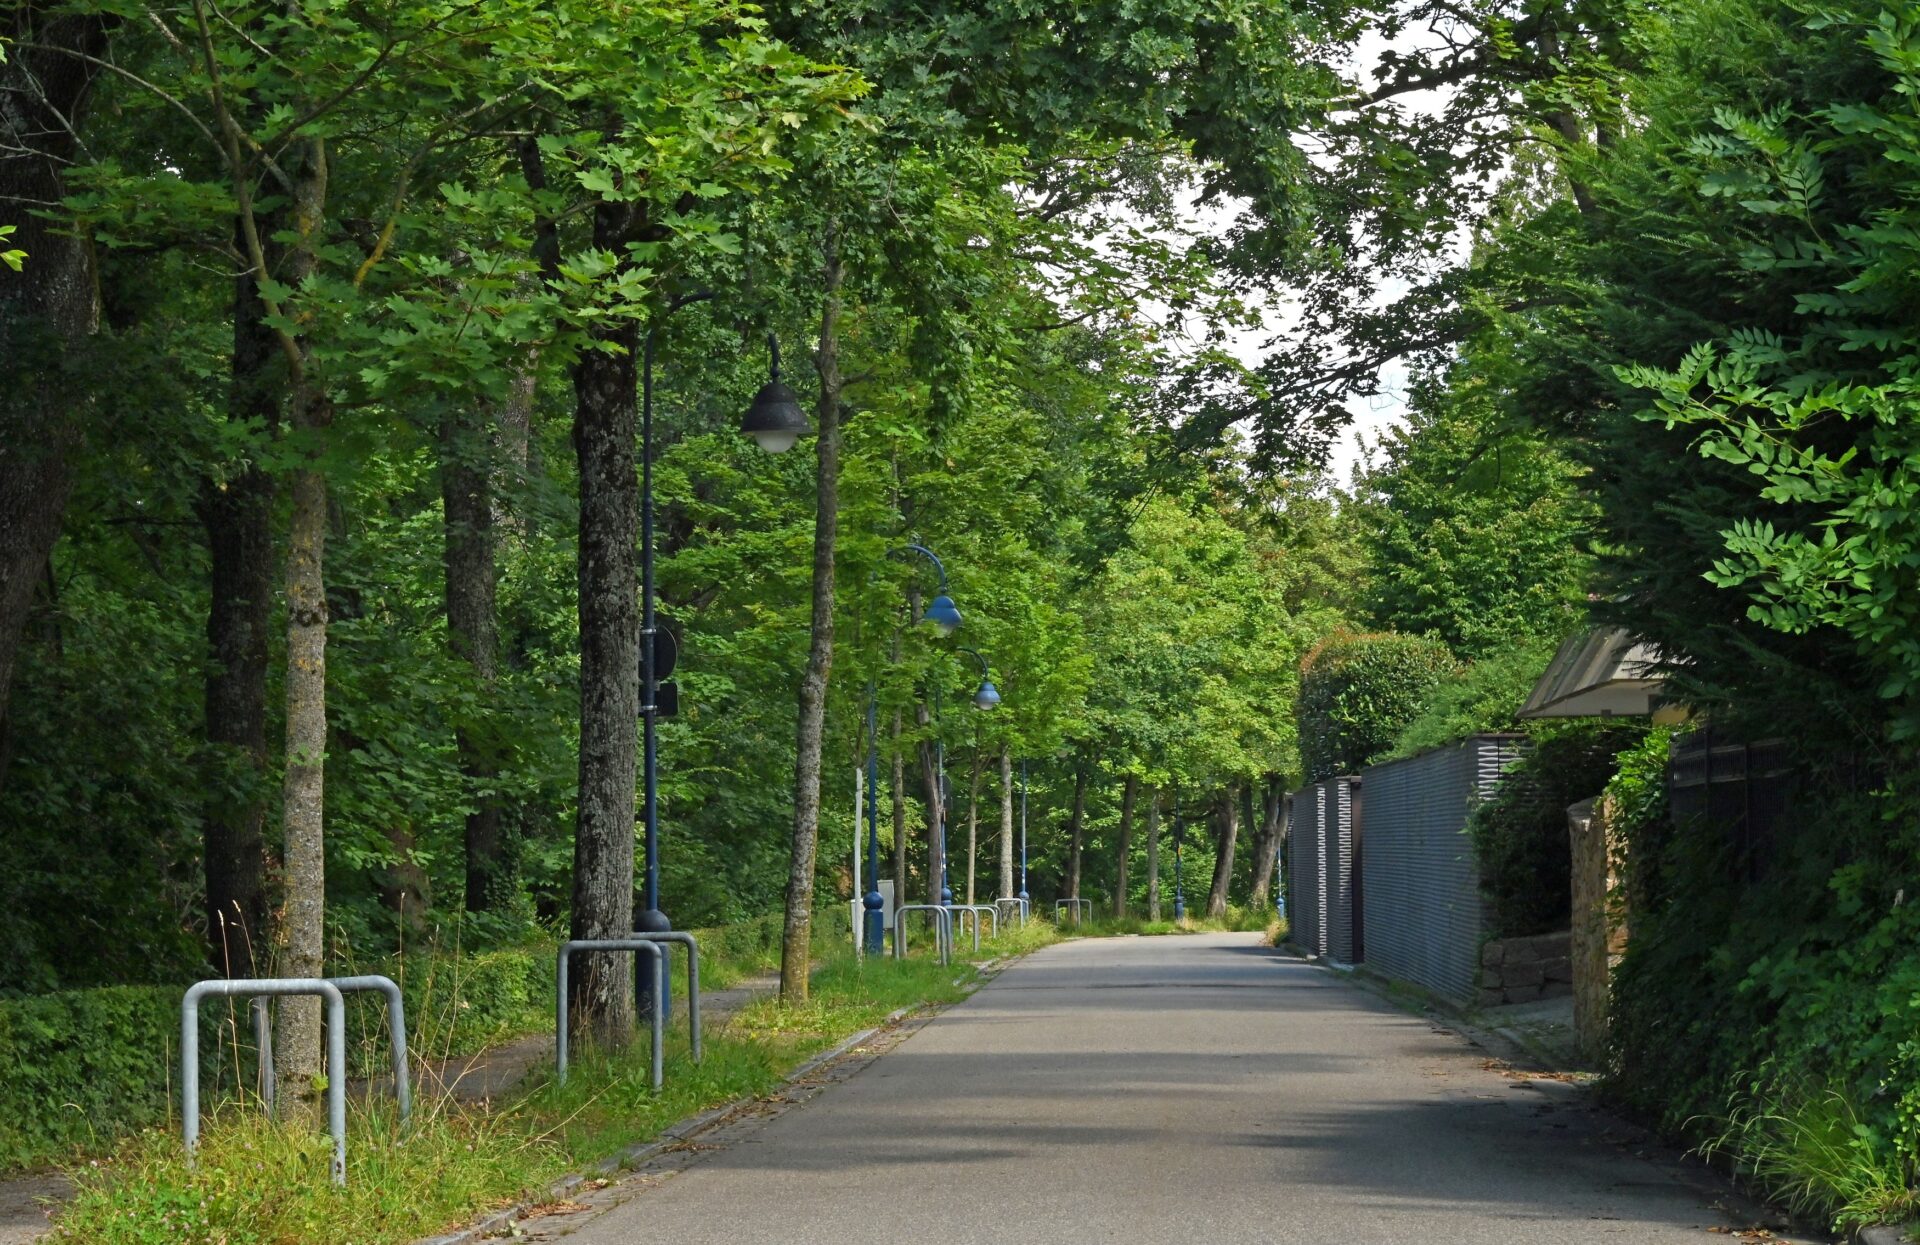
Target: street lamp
{"x":1023,"y":831}
{"x":941,"y":613}
{"x":988,"y":697}
{"x":776,"y":419}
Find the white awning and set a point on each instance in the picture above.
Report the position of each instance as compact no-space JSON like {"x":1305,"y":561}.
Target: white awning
{"x":1603,"y":673}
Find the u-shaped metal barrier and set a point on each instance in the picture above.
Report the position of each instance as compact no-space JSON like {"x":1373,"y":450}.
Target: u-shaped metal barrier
{"x":396,"y":1037}
{"x":1024,"y":907}
{"x":693,"y":979}
{"x":1082,"y":910}
{"x":964,"y":910}
{"x":636,"y":945}
{"x":251,"y":987}
{"x":942,"y":925}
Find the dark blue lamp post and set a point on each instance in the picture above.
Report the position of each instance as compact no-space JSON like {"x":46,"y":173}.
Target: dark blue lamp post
{"x":1179,"y":837}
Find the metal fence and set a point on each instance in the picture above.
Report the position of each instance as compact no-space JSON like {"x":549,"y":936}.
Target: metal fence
{"x":1423,"y":908}
{"x":1324,"y":901}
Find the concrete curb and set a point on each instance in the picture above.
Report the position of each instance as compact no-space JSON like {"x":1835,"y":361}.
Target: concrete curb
{"x":634,"y":1155}
{"x":1886,"y":1235}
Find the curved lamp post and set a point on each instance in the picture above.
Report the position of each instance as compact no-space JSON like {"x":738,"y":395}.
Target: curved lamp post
{"x":776,"y":419}
{"x":1023,"y":831}
{"x":988,"y":697}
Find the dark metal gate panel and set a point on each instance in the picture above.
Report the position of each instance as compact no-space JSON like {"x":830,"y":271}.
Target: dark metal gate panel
{"x":1304,"y":874}
{"x":1339,"y":797}
{"x":1424,"y":911}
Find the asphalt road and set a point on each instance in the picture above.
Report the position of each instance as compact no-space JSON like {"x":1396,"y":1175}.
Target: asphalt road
{"x":1202,"y":1088}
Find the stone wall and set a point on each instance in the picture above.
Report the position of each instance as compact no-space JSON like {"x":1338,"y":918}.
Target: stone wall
{"x":1525,"y":970}
{"x":1599,"y":921}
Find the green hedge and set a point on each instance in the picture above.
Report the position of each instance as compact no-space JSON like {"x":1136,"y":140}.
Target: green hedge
{"x":1520,"y":835}
{"x":1358,"y":692}
{"x":80,"y":1067}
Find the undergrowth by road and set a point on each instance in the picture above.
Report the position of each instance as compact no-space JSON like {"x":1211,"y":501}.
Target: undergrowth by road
{"x":258,"y":1183}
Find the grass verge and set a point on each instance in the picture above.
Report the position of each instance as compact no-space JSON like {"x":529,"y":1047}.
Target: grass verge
{"x":258,"y":1183}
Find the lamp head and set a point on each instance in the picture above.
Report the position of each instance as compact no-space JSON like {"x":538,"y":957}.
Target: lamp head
{"x":942,"y":615}
{"x":988,"y":697}
{"x":776,"y":419}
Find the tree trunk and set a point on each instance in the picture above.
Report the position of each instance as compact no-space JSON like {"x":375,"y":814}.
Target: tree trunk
{"x":1122,"y":862}
{"x":1153,"y":854}
{"x":1007,"y":889}
{"x":303,"y":804}
{"x":1076,"y":826}
{"x":605,"y":432}
{"x":973,"y":824}
{"x":47,"y":310}
{"x":238,"y":517}
{"x":936,"y":811}
{"x":899,"y":817}
{"x":466,"y":497}
{"x":1266,"y":848}
{"x":796,"y":951}
{"x":1228,"y":814}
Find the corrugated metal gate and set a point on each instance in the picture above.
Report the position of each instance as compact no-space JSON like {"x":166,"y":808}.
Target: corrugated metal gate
{"x":1323,"y":875}
{"x":1423,"y":904}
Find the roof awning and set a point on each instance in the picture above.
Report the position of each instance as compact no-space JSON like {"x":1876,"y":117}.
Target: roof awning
{"x":1603,"y":673}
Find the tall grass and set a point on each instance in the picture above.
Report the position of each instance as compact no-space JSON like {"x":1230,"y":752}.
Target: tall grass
{"x":1810,"y":1148}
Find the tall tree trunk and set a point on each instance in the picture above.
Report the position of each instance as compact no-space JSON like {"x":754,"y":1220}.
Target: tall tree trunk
{"x":936,"y":811}
{"x":466,"y":497}
{"x":973,"y":824}
{"x":1076,"y":826}
{"x":1153,"y":853}
{"x":1007,"y":888}
{"x":1123,"y":861}
{"x":1266,"y":848}
{"x":796,"y":951}
{"x":1228,"y":814}
{"x":899,"y":817}
{"x":605,"y":433}
{"x":238,"y":517}
{"x":47,"y":310}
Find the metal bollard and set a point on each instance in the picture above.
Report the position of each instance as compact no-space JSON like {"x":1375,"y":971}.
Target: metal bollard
{"x":635,"y":945}
{"x":246,"y":987}
{"x":943,"y":929}
{"x":396,"y":1038}
{"x":693,"y":979}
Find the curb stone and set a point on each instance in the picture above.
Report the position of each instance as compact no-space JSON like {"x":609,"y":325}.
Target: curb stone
{"x":1885,"y":1235}
{"x":634,"y":1155}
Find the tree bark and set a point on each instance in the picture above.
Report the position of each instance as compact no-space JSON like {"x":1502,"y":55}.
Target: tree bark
{"x":973,"y":824}
{"x":936,"y":811}
{"x":605,"y":431}
{"x":47,"y":310}
{"x":1007,"y":888}
{"x":1121,"y":864}
{"x":1266,"y":848}
{"x":899,"y":817}
{"x":1076,"y":826}
{"x":303,"y":804}
{"x":469,"y":556}
{"x":238,"y":517}
{"x":1153,"y":854}
{"x":796,"y":951}
{"x":1228,"y":814}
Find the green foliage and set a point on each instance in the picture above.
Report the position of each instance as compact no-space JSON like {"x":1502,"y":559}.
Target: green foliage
{"x":1520,"y":835}
{"x":1482,"y":698}
{"x":1358,"y":692}
{"x":85,"y":1065}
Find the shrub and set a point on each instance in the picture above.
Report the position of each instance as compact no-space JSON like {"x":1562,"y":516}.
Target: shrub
{"x":81,"y":1066}
{"x":1520,"y":835}
{"x":1483,"y":698}
{"x":1358,"y":692}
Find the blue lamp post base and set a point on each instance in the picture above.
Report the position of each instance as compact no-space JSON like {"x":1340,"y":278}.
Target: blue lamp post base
{"x":876,"y":922}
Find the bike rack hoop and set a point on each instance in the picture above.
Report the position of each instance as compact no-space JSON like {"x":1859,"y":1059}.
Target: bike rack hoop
{"x":396,"y":1036}
{"x":693,"y":978}
{"x":943,"y":929}
{"x":638,"y":945}
{"x":253,"y":987}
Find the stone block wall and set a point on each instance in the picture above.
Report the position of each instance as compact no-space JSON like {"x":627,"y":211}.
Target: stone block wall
{"x":1525,"y":970}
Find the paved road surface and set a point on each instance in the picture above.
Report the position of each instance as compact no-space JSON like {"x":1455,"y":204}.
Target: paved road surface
{"x":1199,"y":1088}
